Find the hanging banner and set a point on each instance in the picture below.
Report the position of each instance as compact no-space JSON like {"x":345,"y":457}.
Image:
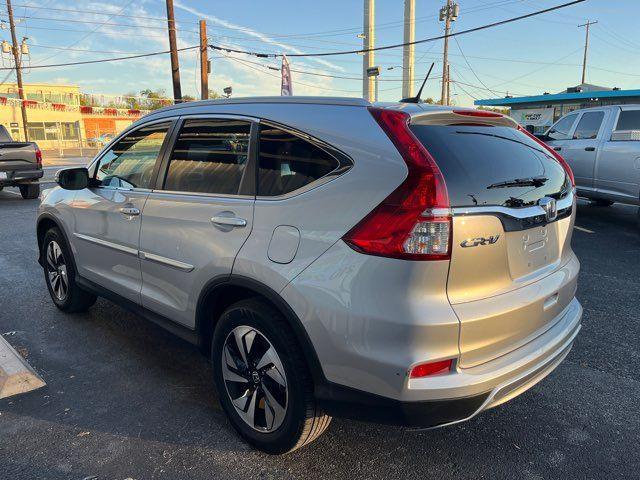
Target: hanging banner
{"x":286,"y":89}
{"x":536,"y":117}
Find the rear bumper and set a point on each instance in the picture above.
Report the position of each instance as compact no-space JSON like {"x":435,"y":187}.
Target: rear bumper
{"x":466,"y":392}
{"x":21,"y":176}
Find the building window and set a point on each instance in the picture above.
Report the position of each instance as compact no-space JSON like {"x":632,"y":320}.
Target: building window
{"x":69,"y":131}
{"x":36,"y":131}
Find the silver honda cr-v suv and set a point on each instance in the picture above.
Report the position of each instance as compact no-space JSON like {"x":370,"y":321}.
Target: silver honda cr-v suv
{"x":397,"y":263}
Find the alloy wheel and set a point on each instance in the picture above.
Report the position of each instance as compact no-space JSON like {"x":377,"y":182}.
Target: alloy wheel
{"x":254,"y":379}
{"x":57,"y":271}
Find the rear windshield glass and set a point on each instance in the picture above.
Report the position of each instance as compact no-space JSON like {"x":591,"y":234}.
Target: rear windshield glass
{"x":485,"y":165}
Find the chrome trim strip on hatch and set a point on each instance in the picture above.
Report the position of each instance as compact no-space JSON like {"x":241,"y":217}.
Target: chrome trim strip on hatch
{"x":514,"y":219}
{"x":105,"y":243}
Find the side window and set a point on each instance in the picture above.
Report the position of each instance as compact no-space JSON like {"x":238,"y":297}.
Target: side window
{"x":588,"y":126}
{"x":560,"y":131}
{"x":287,"y":162}
{"x":129,"y":163}
{"x":209,"y":157}
{"x":629,"y":120}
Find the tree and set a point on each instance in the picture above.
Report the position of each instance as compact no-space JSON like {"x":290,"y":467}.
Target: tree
{"x":214,"y":95}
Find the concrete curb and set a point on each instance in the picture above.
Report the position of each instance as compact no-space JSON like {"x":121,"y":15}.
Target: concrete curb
{"x":16,"y":375}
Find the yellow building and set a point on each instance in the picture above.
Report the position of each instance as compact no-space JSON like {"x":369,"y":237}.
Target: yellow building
{"x":55,"y":117}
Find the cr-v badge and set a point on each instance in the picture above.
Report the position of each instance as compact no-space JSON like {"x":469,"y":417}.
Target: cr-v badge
{"x":474,"y":242}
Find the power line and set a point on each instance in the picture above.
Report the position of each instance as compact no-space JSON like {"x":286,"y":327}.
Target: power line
{"x":469,"y":65}
{"x":397,"y":45}
{"x":104,"y":60}
{"x":89,"y":33}
{"x":105,"y":23}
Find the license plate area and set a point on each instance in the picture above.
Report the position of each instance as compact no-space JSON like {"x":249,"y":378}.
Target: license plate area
{"x":532,"y":249}
{"x":3,"y":176}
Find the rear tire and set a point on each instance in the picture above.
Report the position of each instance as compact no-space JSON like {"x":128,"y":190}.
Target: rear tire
{"x":60,"y":275}
{"x":29,"y":191}
{"x":269,"y":372}
{"x":601,"y":203}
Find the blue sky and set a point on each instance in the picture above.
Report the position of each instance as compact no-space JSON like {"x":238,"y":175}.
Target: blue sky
{"x":528,"y":57}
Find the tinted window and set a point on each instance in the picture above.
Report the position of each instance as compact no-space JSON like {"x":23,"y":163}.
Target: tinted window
{"x":629,"y":120}
{"x":588,"y":126}
{"x":129,"y":163}
{"x":287,"y":162}
{"x":560,"y":131}
{"x":485,"y":165}
{"x":209,"y":157}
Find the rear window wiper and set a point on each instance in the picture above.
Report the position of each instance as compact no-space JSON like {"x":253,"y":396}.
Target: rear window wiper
{"x":521,"y":182}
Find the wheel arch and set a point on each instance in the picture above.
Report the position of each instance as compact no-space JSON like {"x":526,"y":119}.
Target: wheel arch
{"x":44,"y":224}
{"x":220,"y":293}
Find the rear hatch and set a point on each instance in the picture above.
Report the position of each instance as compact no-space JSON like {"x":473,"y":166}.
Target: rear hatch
{"x":506,"y":280}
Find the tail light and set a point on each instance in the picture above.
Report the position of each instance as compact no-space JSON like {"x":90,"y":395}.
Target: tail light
{"x":39,"y":157}
{"x":555,"y":154}
{"x":432,"y":368}
{"x":414,"y":221}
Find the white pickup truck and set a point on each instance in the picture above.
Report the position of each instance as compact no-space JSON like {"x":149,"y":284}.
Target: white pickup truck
{"x":602,"y":146}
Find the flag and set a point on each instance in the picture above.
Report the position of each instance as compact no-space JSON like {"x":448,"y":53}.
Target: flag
{"x":286,"y":89}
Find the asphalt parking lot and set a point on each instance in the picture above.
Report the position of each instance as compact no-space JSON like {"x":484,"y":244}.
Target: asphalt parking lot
{"x":124,"y":399}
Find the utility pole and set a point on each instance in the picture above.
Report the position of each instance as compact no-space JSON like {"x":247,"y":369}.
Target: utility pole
{"x":586,"y":48}
{"x":175,"y":67}
{"x":204,"y":62}
{"x":368,"y":41}
{"x":448,"y":14}
{"x":18,"y":62}
{"x":408,"y":51}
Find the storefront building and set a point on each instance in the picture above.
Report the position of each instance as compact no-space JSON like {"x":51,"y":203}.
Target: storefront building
{"x":55,"y":117}
{"x":539,"y":112}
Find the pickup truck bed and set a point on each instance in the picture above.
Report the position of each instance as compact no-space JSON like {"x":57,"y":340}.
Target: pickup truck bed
{"x":20,"y":165}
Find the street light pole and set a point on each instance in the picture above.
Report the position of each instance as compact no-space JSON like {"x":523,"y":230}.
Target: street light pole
{"x":408,"y":51}
{"x":18,"y":63}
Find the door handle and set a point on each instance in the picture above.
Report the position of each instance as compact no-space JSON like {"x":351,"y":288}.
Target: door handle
{"x":229,"y":221}
{"x":130,"y":211}
{"x":557,"y":149}
{"x":589,"y":149}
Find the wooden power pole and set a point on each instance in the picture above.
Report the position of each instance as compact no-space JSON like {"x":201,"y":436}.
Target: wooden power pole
{"x":586,"y":48}
{"x":18,"y":62}
{"x":204,"y":62}
{"x":175,"y":66}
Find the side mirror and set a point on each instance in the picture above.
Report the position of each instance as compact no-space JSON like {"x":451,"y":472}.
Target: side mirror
{"x":75,"y":178}
{"x":544,"y":137}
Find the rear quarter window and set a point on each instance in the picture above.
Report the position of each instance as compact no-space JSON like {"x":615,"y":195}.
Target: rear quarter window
{"x":629,"y":120}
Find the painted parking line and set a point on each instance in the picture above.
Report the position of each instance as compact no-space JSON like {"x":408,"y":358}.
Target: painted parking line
{"x":582,"y":229}
{"x":12,"y":193}
{"x":16,"y":375}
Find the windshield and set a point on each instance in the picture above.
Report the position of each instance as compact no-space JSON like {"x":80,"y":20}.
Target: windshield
{"x":488,"y":165}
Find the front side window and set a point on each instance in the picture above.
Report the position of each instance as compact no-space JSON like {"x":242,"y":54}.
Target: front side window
{"x":209,"y":157}
{"x":288,"y":162}
{"x":588,"y":126}
{"x":129,"y":163}
{"x":560,"y":131}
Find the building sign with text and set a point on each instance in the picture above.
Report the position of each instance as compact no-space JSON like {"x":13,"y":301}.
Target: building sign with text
{"x":537,"y":117}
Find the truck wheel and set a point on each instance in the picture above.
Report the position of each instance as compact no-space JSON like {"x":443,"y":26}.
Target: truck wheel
{"x":29,"y":191}
{"x":263,"y":382}
{"x":601,"y":203}
{"x":60,"y":275}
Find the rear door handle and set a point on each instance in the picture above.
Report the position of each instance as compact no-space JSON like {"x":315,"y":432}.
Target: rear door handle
{"x":229,"y":221}
{"x":130,"y":211}
{"x":589,"y":149}
{"x":557,"y":149}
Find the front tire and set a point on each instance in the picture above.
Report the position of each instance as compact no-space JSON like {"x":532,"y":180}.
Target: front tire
{"x":60,"y":275}
{"x":29,"y":191}
{"x":263,"y":382}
